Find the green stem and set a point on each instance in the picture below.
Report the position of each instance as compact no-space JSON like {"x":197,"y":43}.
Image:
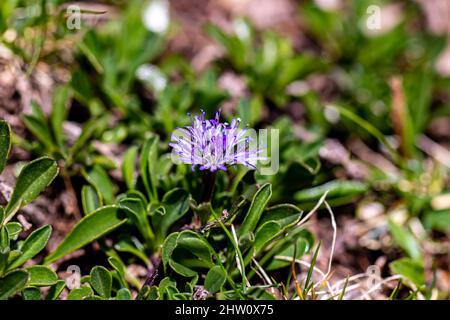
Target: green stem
{"x":236,"y":247}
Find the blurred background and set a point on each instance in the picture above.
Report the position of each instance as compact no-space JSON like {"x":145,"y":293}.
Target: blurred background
{"x":360,"y":92}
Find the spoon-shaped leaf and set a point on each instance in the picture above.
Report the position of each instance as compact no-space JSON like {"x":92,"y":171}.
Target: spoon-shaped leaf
{"x":215,"y":279}
{"x":41,"y":276}
{"x":5,"y":143}
{"x":259,"y":202}
{"x":88,"y":229}
{"x":12,"y":282}
{"x":32,"y":180}
{"x":35,"y":242}
{"x":101,"y":281}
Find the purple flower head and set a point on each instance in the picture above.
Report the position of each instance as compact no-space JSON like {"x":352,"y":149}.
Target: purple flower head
{"x":214,"y":145}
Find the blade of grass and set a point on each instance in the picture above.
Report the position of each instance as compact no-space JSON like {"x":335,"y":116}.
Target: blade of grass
{"x":311,"y":268}
{"x":341,"y":296}
{"x":294,"y":274}
{"x":395,"y":292}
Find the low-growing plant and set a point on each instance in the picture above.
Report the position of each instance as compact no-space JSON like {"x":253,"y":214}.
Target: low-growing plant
{"x":32,"y":180}
{"x":267,"y":61}
{"x":168,"y":209}
{"x":210,"y":245}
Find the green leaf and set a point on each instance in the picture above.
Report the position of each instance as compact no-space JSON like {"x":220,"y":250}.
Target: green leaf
{"x":98,"y":177}
{"x":297,"y":67}
{"x":409,"y":268}
{"x":215,"y":278}
{"x":176,"y":205}
{"x":101,"y":281}
{"x":12,"y":255}
{"x":290,"y":239}
{"x":235,"y":48}
{"x":32,"y":180}
{"x":337,"y":190}
{"x":124,"y":294}
{"x":35,"y":242}
{"x":138,"y":215}
{"x":406,"y":241}
{"x":182,"y":269}
{"x":299,"y":247}
{"x":90,"y":199}
{"x":129,"y":246}
{"x":148,"y":164}
{"x":80,"y":293}
{"x":41,"y":276}
{"x":91,"y":57}
{"x":39,"y":129}
{"x":59,"y":112}
{"x":285,"y":214}
{"x":267,"y":232}
{"x":186,"y":251}
{"x":87,"y":132}
{"x":37,"y":112}
{"x":167,"y":288}
{"x":418,"y":87}
{"x":55,"y":290}
{"x":437,"y":220}
{"x":167,"y":248}
{"x":128,"y":166}
{"x":5,"y":143}
{"x":310,"y":270}
{"x":149,"y":293}
{"x":4,"y":238}
{"x":12,"y":283}
{"x":88,"y":229}
{"x":259,"y":202}
{"x":14,"y":228}
{"x":120,"y":268}
{"x":31,"y":293}
{"x":247,"y":241}
{"x":4,"y":249}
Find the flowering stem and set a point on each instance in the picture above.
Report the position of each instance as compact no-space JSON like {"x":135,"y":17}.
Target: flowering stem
{"x":209,"y":182}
